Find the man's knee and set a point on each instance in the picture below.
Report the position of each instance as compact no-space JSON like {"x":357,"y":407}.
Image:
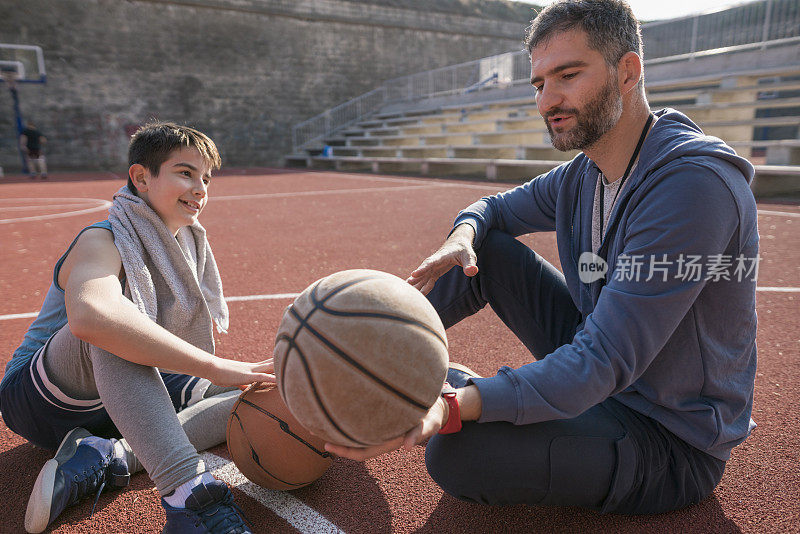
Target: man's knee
{"x":494,"y":251}
{"x":450,"y":460}
{"x":440,"y":460}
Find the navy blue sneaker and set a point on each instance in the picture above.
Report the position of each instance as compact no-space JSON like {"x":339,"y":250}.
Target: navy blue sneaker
{"x":209,"y":509}
{"x":457,"y":375}
{"x":84,"y":465}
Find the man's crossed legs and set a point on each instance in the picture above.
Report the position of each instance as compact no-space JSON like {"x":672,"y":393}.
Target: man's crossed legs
{"x":610,"y":458}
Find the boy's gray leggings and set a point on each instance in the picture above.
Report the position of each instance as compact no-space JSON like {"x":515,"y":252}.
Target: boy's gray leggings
{"x":163,"y":442}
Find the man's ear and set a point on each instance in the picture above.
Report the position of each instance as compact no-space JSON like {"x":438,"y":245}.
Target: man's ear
{"x":629,"y":69}
{"x":139,"y":176}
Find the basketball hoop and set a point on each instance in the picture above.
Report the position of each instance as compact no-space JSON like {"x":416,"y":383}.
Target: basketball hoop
{"x":10,"y":77}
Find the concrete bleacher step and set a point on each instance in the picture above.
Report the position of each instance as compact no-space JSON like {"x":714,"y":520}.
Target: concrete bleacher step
{"x":776,"y":180}
{"x":524,"y":123}
{"x":779,"y":152}
{"x":492,"y":169}
{"x":502,"y":135}
{"x":421,"y":129}
{"x":776,"y":152}
{"x":770,"y":180}
{"x":448,"y":139}
{"x":401,"y":140}
{"x":440,"y":151}
{"x":531,"y":136}
{"x":363,"y":141}
{"x":441,"y":118}
{"x":479,"y":126}
{"x":542,"y":151}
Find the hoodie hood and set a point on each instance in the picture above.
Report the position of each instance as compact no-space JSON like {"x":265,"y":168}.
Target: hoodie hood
{"x":673,"y":142}
{"x":674,"y":136}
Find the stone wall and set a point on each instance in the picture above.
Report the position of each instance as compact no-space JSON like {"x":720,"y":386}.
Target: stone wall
{"x":243,"y":71}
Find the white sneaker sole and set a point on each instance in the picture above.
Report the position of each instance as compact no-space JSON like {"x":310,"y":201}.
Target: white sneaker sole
{"x":37,"y":515}
{"x":464,"y":368}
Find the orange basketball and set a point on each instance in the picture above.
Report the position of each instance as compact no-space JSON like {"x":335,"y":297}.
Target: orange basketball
{"x":269,"y":446}
{"x":360,"y":357}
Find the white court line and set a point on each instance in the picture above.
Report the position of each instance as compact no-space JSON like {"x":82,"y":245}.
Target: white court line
{"x":18,"y":316}
{"x":279,"y":296}
{"x":324,"y":192}
{"x":104,"y":204}
{"x":432,"y":181}
{"x":779,"y":289}
{"x":58,"y":200}
{"x":781,"y":213}
{"x":243,"y":298}
{"x":276,"y":296}
{"x":39,"y":207}
{"x":101,"y":205}
{"x":297,"y":513}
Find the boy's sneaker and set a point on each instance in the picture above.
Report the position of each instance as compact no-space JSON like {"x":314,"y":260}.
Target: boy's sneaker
{"x":209,"y":509}
{"x":457,"y":375}
{"x":84,"y":465}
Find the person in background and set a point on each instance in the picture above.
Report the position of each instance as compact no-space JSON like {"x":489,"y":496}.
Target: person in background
{"x":32,"y":144}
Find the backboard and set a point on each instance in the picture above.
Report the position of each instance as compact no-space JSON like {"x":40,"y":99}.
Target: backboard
{"x":26,"y":60}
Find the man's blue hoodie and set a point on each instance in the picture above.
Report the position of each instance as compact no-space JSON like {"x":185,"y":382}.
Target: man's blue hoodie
{"x":679,"y":348}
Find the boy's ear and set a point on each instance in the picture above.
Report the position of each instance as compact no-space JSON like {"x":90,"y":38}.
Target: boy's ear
{"x":139,"y":176}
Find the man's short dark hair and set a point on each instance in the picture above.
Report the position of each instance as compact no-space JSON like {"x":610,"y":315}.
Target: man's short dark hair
{"x":610,"y":26}
{"x":153,"y":143}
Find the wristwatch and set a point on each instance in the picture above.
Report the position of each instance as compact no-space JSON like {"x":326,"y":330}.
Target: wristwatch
{"x":453,"y":423}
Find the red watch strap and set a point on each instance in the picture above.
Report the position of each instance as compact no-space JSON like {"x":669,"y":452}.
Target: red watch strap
{"x":453,"y":423}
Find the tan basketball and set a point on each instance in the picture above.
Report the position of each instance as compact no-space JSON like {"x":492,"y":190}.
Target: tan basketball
{"x":360,"y":357}
{"x":269,"y":446}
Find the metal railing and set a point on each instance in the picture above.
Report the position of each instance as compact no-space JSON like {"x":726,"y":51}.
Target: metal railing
{"x":753,"y":24}
{"x":756,"y":22}
{"x":338,"y":117}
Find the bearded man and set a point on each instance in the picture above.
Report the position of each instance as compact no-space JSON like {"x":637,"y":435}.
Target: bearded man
{"x":644,"y":367}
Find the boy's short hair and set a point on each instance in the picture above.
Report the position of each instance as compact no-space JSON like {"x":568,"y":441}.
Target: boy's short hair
{"x":610,"y":26}
{"x":153,"y":143}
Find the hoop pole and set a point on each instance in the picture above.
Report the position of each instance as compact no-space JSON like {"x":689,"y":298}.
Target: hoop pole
{"x":18,"y":120}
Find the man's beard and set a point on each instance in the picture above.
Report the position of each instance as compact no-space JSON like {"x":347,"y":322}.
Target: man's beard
{"x":598,"y":116}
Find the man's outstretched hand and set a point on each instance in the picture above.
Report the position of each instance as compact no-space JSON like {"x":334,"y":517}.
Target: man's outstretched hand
{"x":456,"y":250}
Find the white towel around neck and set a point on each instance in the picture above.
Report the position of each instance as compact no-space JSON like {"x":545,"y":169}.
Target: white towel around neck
{"x":174,"y":280}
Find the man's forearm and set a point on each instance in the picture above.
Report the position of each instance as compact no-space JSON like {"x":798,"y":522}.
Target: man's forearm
{"x":464,"y":231}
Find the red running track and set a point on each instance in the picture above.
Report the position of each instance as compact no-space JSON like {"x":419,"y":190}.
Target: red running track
{"x":275,"y":232}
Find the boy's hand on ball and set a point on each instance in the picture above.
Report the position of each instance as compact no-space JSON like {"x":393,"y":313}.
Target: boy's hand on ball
{"x":225,"y":372}
{"x":427,"y":427}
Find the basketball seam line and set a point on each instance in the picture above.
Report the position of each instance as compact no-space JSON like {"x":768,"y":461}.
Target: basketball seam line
{"x":342,"y":354}
{"x":293,"y":345}
{"x":284,"y":426}
{"x":388,"y":316}
{"x":254,"y":456}
{"x":320,"y":304}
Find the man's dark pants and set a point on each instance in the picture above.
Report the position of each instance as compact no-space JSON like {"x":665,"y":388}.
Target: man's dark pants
{"x":610,"y":458}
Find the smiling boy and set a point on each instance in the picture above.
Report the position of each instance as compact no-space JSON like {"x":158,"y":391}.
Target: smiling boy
{"x":133,"y":296}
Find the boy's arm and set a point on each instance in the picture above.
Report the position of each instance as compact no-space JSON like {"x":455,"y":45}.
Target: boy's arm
{"x":101,"y":315}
